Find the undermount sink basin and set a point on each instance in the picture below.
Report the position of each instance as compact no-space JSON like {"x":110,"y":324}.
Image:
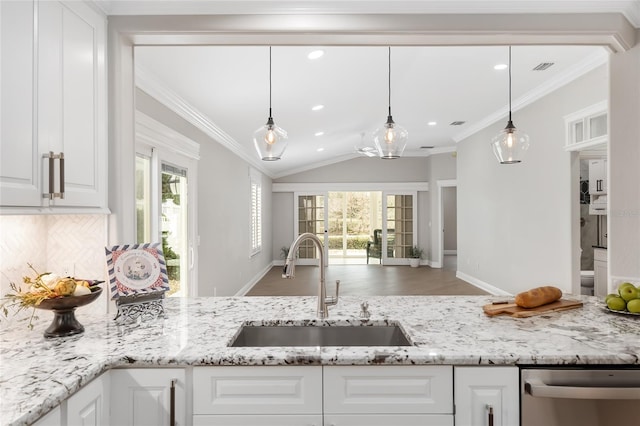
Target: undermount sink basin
{"x":312,"y":335}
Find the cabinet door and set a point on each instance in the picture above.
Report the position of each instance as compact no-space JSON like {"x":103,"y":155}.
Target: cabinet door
{"x":257,"y":390}
{"x":258,"y":420}
{"x":52,"y":418}
{"x":142,"y":397}
{"x":90,"y":405}
{"x":600,"y":278}
{"x":597,"y":177}
{"x":19,"y":156}
{"x":388,"y":420}
{"x":484,"y":392}
{"x":388,"y":389}
{"x":72,"y":100}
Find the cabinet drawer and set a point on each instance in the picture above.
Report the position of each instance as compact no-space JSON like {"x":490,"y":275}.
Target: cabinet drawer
{"x":388,"y":389}
{"x":388,"y":420}
{"x":259,"y":420}
{"x":257,"y":390}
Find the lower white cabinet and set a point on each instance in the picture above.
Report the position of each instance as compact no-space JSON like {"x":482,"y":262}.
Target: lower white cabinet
{"x":258,"y":420}
{"x":487,"y":396}
{"x":388,"y":420}
{"x":52,"y":418}
{"x":90,"y":405}
{"x":148,"y":396}
{"x":600,"y":272}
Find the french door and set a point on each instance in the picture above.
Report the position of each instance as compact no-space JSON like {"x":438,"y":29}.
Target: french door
{"x":310,"y":215}
{"x":399,"y":226}
{"x":165,"y":211}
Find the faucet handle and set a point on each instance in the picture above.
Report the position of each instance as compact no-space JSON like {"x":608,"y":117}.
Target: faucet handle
{"x":333,"y":300}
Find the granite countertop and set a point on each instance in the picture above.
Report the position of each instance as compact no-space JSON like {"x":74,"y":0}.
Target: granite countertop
{"x":36,"y":374}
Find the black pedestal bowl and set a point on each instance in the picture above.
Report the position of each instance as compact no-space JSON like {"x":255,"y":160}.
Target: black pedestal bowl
{"x":64,"y":320}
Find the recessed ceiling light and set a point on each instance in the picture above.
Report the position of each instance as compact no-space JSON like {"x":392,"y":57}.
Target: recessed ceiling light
{"x":319,"y":133}
{"x":320,"y":149}
{"x":501,"y":67}
{"x":431,"y":123}
{"x":317,"y":107}
{"x":315,"y":54}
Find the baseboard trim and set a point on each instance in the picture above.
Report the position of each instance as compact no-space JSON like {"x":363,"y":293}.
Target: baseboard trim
{"x":481,"y":284}
{"x":244,"y":290}
{"x":435,"y":264}
{"x":450,"y":252}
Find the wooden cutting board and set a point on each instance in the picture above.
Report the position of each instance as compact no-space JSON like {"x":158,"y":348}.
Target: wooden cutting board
{"x":516,"y":311}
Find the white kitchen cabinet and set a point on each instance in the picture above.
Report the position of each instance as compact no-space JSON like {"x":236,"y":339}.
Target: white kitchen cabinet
{"x":52,"y":418}
{"x":53,"y":101}
{"x":258,"y":420}
{"x":388,"y":395}
{"x":487,"y":396}
{"x":143,"y":396}
{"x":598,"y":176}
{"x":261,"y":395}
{"x":600,"y":272}
{"x":19,"y":156}
{"x":90,"y":405}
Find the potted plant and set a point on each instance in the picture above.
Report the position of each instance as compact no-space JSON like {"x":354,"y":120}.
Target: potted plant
{"x":415,"y":254}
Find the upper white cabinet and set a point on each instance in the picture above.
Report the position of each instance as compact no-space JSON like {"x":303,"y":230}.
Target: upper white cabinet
{"x":487,"y":396}
{"x":587,"y":128}
{"x":598,"y":176}
{"x":57,"y":67}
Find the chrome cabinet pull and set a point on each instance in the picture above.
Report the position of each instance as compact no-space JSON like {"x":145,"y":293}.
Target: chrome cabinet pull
{"x":51,"y":194}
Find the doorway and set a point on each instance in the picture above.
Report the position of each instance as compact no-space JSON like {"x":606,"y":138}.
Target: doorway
{"x":449,"y":227}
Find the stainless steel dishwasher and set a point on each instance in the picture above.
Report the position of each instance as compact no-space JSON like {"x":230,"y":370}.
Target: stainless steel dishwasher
{"x":577,"y":396}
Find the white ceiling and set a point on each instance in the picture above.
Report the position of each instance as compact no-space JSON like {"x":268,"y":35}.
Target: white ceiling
{"x":229,"y":86}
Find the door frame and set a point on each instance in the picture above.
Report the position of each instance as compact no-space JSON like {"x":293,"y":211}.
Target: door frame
{"x":296,"y":231}
{"x":439,"y":225}
{"x":414,"y":200}
{"x":165,"y":145}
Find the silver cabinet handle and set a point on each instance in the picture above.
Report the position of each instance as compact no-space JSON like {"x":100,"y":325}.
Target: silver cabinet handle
{"x":538,"y":389}
{"x":51,"y":194}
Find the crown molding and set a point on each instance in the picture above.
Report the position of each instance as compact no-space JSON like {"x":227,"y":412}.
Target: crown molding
{"x":153,"y":86}
{"x":630,"y":9}
{"x":532,"y":96}
{"x":155,"y":133}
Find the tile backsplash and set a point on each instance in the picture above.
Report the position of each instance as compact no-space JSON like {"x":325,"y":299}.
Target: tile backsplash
{"x":63,"y":244}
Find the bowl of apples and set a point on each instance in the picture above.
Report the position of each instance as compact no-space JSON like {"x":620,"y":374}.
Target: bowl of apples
{"x":626,"y":301}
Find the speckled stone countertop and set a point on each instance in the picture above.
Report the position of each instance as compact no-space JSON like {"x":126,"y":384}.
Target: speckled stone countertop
{"x":36,"y":374}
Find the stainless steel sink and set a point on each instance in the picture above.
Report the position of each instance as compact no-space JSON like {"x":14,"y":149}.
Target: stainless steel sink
{"x":334,"y":335}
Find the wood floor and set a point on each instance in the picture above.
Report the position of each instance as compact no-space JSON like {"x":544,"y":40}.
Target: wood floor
{"x":365,"y":280}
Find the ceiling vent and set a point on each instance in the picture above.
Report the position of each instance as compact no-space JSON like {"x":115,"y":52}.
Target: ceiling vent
{"x":427,"y":147}
{"x":457,"y":123}
{"x":542,"y":66}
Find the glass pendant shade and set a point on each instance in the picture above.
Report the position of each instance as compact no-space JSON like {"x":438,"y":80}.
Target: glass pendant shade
{"x":270,"y":141}
{"x":510,"y":145}
{"x":390,"y":140}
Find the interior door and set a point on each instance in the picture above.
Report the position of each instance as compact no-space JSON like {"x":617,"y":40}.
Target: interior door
{"x":310,"y":216}
{"x":399,"y":227}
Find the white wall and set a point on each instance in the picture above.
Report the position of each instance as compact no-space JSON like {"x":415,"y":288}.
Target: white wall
{"x":514,"y":221}
{"x":624,"y":166}
{"x":224,"y":202}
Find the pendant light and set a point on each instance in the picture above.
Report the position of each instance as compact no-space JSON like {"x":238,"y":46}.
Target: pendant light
{"x":390,"y":139}
{"x":510,"y":145}
{"x":270,"y":140}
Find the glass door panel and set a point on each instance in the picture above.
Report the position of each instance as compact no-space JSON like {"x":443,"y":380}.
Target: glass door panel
{"x":400,"y":227}
{"x":311,"y":218}
{"x":173,"y":227}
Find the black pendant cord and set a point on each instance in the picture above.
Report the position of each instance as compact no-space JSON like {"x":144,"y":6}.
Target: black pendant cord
{"x":389,"y":81}
{"x":269,"y":82}
{"x":509,"y":84}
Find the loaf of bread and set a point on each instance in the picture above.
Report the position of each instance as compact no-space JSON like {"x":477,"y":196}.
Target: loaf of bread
{"x":538,"y":296}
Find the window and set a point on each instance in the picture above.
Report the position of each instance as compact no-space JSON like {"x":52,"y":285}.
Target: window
{"x":256,"y":211}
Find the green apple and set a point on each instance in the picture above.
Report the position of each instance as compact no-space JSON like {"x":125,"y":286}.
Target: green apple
{"x":628,"y":292}
{"x":616,"y":303}
{"x":609,"y":296}
{"x":634,"y":306}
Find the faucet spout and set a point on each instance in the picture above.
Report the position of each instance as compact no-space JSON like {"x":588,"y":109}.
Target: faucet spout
{"x":290,"y":266}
